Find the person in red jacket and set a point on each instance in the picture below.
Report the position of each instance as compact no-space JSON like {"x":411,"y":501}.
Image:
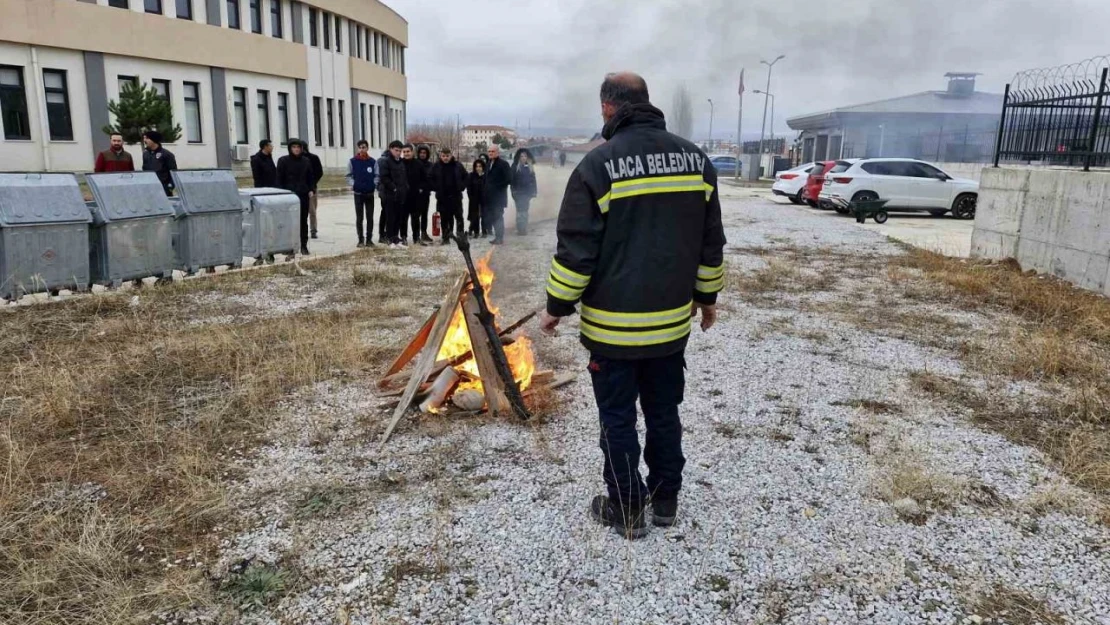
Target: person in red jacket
{"x":114,"y":159}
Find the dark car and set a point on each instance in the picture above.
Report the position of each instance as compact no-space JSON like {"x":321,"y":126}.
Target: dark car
{"x":726,"y":165}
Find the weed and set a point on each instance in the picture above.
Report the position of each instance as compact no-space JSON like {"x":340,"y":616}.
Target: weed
{"x":257,"y":585}
{"x":875,"y":406}
{"x":1016,"y":607}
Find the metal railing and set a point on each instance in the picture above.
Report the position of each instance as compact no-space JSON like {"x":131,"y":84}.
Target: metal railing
{"x":1055,"y":116}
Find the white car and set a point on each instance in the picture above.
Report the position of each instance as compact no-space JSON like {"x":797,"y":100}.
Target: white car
{"x":907,"y":185}
{"x":792,"y":182}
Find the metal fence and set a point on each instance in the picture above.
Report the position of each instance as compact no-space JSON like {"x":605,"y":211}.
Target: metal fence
{"x":1055,"y":116}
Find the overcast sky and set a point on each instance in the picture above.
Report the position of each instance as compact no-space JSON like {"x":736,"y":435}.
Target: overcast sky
{"x":506,"y":61}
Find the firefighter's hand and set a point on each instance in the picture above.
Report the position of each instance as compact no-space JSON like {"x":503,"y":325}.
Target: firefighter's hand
{"x":708,"y":315}
{"x":548,"y":323}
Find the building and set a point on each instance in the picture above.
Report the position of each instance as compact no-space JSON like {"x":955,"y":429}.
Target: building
{"x":473,"y":135}
{"x":955,"y":125}
{"x":235,"y":71}
{"x":576,"y":153}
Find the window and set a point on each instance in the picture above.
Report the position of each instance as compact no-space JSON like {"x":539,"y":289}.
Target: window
{"x":327,"y":31}
{"x":162,"y":87}
{"x":283,"y":117}
{"x":358,"y":41}
{"x":369,"y":48}
{"x":153,"y":6}
{"x":57,"y":105}
{"x":377,"y":45}
{"x":313,"y":28}
{"x":185,"y":9}
{"x":338,"y":35}
{"x":402,"y":60}
{"x":275,"y":19}
{"x":876,"y":169}
{"x":263,"y":114}
{"x":840,"y":167}
{"x":255,"y":8}
{"x":13,"y":103}
{"x":362,"y":120}
{"x":239,"y":101}
{"x":123,"y":81}
{"x":331,"y":123}
{"x":119,"y":4}
{"x":380,"y":129}
{"x":192,"y":112}
{"x":233,"y":14}
{"x":925,"y":170}
{"x":342,"y":126}
{"x":319,"y":133}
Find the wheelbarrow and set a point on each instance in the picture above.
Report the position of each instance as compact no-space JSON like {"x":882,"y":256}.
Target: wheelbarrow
{"x":863,"y":209}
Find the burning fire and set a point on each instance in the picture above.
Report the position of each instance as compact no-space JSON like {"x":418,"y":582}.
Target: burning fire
{"x":457,"y":342}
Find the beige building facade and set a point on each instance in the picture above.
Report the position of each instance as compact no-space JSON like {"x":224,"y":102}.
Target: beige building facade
{"x":330,"y":72}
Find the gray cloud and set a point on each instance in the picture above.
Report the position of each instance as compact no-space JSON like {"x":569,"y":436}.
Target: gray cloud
{"x":497,"y":61}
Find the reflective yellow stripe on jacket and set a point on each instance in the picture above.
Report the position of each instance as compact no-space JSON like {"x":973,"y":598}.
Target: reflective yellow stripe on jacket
{"x":635,"y":329}
{"x":710,"y":279}
{"x":565,"y":284}
{"x":658,"y":184}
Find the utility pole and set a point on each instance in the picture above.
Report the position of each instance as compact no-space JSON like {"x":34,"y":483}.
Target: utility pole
{"x":739,"y":122}
{"x":771,"y":141}
{"x":763,"y":126}
{"x":710,"y":124}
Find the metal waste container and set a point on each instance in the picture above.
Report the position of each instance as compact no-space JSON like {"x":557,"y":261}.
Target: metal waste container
{"x":270,"y":223}
{"x":133,"y":226}
{"x":209,"y":220}
{"x":44,"y":234}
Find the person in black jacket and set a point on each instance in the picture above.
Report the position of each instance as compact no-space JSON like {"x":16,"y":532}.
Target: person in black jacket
{"x":393,"y":189}
{"x":524,"y":187}
{"x":159,"y":160}
{"x":641,"y":244}
{"x":262,"y":165}
{"x":448,"y":180}
{"x":317,"y":175}
{"x":420,"y":218}
{"x":417,"y":175}
{"x":498,"y":179}
{"x":475,"y":189}
{"x":295,"y":174}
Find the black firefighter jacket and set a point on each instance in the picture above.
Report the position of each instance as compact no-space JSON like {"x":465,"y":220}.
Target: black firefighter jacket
{"x":393,"y":181}
{"x":640,"y":239}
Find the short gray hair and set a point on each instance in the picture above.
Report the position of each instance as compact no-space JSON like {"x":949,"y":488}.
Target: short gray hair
{"x":624,"y":88}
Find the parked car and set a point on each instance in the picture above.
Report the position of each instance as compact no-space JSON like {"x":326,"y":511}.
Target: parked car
{"x":792,"y":183}
{"x":726,"y":165}
{"x":815,"y":181}
{"x":907,"y":184}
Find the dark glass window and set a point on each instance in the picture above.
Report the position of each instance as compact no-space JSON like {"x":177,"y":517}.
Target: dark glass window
{"x":185,"y":9}
{"x":119,"y":4}
{"x":192,"y":113}
{"x":255,"y":8}
{"x":57,"y":104}
{"x":342,"y":126}
{"x":327,"y":31}
{"x":338,"y":34}
{"x":313,"y":28}
{"x":153,"y":6}
{"x":239,"y":101}
{"x":283,"y":117}
{"x":233,"y":14}
{"x":275,"y":19}
{"x":263,"y":114}
{"x":331,"y":123}
{"x":319,"y":133}
{"x":13,"y":103}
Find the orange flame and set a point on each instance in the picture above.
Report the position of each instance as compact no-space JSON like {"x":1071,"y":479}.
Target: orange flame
{"x":457,"y":341}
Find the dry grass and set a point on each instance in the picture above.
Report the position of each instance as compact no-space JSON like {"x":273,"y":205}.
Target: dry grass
{"x":116,"y":427}
{"x":907,"y":475}
{"x":1014,"y":607}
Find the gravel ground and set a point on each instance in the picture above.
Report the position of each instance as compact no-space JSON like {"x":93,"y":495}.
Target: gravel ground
{"x":785,"y":517}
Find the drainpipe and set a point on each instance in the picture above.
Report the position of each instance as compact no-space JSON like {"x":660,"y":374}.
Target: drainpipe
{"x":40,"y":97}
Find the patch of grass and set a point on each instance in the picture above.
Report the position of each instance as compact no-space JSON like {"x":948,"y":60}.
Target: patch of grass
{"x":257,"y":586}
{"x":1014,"y":607}
{"x":378,"y":278}
{"x":875,"y":406}
{"x":728,"y":430}
{"x":717,"y":583}
{"x":907,"y":475}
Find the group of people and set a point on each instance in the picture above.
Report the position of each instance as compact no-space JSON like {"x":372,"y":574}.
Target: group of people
{"x":155,"y":158}
{"x":405,"y":177}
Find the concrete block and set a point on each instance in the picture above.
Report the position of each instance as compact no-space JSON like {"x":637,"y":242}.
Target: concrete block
{"x":992,"y":245}
{"x":1002,"y":200}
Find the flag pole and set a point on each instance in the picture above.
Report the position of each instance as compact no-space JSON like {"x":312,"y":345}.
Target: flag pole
{"x":739,"y":139}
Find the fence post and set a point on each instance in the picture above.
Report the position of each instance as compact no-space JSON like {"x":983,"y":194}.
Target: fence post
{"x":1001,"y":125}
{"x":1094,"y":125}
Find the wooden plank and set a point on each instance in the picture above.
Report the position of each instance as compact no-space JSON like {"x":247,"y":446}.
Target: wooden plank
{"x":492,"y":383}
{"x":428,"y":354}
{"x":559,"y":381}
{"x":541,"y":378}
{"x":461,"y":358}
{"x":402,"y":378}
{"x":413,"y":348}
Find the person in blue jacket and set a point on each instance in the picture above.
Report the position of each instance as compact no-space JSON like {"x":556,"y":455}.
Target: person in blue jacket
{"x":362,"y":177}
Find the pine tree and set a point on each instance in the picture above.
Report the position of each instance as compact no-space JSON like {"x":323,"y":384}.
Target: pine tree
{"x":139,"y":109}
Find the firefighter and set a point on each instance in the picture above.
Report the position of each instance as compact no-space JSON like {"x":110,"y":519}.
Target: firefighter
{"x":640,"y":244}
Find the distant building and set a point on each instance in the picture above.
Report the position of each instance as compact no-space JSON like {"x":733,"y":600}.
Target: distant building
{"x":955,"y":125}
{"x":576,"y":153}
{"x":484,"y":134}
{"x":418,"y":139}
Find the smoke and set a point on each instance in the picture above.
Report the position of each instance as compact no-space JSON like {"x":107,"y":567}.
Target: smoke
{"x":682,"y":113}
{"x":500,"y":61}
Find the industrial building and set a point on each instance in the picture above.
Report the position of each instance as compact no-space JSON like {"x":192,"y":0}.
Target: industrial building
{"x":235,"y":71}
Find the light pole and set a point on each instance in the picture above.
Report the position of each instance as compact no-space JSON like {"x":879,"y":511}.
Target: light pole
{"x":882,"y":136}
{"x":763,"y":127}
{"x":772,"y":96}
{"x":710,"y":100}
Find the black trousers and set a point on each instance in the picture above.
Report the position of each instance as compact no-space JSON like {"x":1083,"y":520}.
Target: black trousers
{"x":450,"y":215}
{"x":419,"y":209}
{"x":659,"y":384}
{"x":303,"y":197}
{"x":364,"y":211}
{"x":383,"y":226}
{"x":397,"y":220}
{"x":474,"y":216}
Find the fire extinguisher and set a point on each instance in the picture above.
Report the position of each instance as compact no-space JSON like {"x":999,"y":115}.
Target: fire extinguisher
{"x":435,"y":224}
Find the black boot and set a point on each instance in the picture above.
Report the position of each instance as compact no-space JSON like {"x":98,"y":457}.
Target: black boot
{"x":664,"y":512}
{"x":626,"y":521}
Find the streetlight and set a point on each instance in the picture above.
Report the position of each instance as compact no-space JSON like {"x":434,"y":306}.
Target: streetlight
{"x":710,"y":100}
{"x":772,"y":96}
{"x":763,"y":127}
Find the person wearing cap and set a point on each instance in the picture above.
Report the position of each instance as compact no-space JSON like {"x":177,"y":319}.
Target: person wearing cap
{"x":158,"y":159}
